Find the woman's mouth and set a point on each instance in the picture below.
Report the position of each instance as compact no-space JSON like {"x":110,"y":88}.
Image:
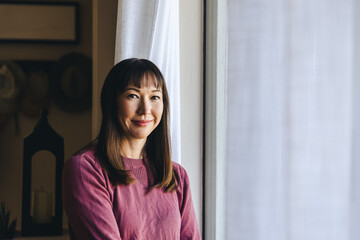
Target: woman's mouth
{"x":142,"y":123}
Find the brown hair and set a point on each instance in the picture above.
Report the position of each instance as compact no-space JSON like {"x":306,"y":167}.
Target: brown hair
{"x":157,"y":147}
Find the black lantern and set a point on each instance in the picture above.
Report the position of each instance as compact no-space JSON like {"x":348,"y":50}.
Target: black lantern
{"x":38,"y":216}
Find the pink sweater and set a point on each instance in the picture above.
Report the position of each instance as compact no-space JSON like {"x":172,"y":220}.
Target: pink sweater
{"x":97,"y":209}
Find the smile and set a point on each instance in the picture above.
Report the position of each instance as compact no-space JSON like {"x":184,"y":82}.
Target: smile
{"x":142,"y":123}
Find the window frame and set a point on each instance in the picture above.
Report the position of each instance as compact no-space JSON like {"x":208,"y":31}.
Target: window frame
{"x":215,"y":75}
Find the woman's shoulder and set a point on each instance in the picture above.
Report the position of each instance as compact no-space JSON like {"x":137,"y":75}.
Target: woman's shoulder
{"x":178,"y":168}
{"x":83,"y":160}
{"x":83,"y":155}
{"x":181,"y":172}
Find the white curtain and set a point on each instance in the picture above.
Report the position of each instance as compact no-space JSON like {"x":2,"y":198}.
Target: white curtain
{"x":293,"y":121}
{"x":150,"y":29}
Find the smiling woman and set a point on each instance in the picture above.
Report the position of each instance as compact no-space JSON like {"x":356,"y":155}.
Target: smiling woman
{"x":124,"y":185}
{"x":140,"y":111}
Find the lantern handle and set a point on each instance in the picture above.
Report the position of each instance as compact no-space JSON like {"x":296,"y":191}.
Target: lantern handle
{"x":44,"y":113}
{"x":43,"y":119}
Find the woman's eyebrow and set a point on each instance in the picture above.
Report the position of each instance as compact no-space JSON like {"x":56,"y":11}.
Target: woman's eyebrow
{"x":138,"y":90}
{"x":134,"y":89}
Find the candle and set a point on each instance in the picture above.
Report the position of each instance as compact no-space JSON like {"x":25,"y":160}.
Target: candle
{"x":43,"y":202}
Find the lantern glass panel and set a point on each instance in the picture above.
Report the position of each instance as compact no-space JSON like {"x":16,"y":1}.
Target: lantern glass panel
{"x":43,"y":186}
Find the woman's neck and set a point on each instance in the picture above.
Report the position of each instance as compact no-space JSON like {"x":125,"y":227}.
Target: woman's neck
{"x":133,"y":149}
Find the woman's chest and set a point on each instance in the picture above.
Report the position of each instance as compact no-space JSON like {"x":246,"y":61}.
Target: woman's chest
{"x":155,"y":215}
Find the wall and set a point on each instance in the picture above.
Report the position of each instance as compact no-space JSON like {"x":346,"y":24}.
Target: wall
{"x":74,"y":128}
{"x":191,"y":40}
{"x":104,"y":29}
{"x":191,"y":94}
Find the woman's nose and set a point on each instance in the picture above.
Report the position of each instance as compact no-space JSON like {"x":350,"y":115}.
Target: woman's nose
{"x":144,"y":107}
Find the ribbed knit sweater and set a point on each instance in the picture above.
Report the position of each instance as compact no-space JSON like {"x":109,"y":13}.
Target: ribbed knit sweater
{"x":98,"y":209}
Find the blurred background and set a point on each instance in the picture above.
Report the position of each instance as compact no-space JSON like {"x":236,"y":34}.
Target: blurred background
{"x":264,"y":106}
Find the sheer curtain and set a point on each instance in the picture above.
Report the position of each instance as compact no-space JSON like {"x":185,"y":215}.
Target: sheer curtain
{"x":291,"y":118}
{"x":150,"y":29}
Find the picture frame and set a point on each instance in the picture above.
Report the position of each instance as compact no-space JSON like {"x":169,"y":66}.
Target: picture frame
{"x":51,"y":22}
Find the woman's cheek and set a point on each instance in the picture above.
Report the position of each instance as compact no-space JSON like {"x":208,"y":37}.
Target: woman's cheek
{"x":160,"y":109}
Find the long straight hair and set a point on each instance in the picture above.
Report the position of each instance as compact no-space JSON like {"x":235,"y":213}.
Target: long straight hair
{"x":108,"y":143}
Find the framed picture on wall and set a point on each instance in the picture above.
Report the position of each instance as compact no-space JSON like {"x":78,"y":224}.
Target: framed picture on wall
{"x":39,"y":22}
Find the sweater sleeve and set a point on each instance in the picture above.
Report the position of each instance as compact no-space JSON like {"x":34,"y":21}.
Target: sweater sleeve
{"x":87,"y":201}
{"x":189,"y":226}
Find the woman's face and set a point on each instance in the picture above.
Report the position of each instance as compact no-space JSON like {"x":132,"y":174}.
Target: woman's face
{"x":140,"y":109}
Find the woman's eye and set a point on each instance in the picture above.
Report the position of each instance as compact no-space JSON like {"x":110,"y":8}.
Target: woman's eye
{"x":155,"y":97}
{"x":132,"y":96}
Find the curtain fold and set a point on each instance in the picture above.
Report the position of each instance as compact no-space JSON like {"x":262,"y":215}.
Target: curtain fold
{"x":291,"y":120}
{"x":150,"y":29}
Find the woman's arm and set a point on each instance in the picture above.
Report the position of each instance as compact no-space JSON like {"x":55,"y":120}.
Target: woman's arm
{"x":87,"y":201}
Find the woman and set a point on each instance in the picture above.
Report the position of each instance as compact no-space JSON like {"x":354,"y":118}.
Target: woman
{"x":124,"y":184}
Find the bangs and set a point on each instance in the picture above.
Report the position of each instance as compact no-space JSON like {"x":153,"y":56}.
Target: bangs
{"x":141,"y":73}
{"x":146,"y":80}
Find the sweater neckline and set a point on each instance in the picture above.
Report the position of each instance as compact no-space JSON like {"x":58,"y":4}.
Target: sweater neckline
{"x":133,"y":162}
